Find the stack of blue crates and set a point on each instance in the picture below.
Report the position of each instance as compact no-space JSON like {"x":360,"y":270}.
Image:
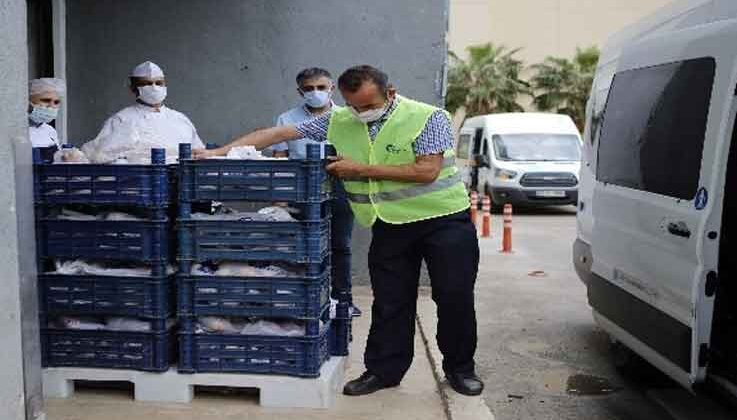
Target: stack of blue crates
{"x":109,"y":187}
{"x":306,"y":242}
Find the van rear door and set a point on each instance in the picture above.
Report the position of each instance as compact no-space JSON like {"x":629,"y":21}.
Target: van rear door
{"x":657,"y":198}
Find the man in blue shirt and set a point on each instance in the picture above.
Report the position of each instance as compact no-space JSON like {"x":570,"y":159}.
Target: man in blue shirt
{"x":316,"y":87}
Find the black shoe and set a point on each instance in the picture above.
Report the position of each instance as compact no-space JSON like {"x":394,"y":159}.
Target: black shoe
{"x":355,"y":312}
{"x":367,"y":383}
{"x":465,"y":383}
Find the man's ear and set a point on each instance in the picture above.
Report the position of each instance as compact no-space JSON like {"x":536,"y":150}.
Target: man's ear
{"x":391,"y":93}
{"x":302,"y":94}
{"x":134,"y":90}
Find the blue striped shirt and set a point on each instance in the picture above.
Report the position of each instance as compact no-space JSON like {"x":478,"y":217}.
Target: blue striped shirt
{"x":435,"y":139}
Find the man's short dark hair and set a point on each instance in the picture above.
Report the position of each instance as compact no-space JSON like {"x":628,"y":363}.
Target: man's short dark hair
{"x":352,"y":79}
{"x":312,"y":73}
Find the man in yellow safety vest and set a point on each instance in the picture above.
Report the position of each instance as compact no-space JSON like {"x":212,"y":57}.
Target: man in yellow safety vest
{"x":397,"y":160}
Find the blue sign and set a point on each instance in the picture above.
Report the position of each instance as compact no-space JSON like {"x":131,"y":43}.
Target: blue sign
{"x":702,"y":199}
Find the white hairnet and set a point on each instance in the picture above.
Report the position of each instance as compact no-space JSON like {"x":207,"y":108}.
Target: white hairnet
{"x":148,"y":70}
{"x":45,"y":85}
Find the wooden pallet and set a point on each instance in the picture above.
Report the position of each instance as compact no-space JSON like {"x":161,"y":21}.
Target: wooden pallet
{"x":275,"y":391}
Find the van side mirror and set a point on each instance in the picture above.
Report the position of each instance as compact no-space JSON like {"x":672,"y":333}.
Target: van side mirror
{"x":482,"y":161}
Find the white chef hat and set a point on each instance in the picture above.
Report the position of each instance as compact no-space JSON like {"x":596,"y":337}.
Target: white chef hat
{"x":148,"y":70}
{"x":45,"y":85}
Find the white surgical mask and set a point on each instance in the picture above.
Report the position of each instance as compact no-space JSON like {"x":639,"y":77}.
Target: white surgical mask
{"x":369,"y":116}
{"x":152,"y":94}
{"x":43,"y":115}
{"x":317,"y":98}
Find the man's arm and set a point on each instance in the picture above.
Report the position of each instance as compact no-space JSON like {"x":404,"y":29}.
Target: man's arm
{"x":280,"y":150}
{"x":425,"y":170}
{"x":260,"y":139}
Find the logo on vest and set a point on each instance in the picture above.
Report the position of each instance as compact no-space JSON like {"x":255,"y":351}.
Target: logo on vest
{"x":390,"y":148}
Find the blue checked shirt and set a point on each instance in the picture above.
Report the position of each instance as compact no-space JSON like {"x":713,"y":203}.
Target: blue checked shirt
{"x":435,"y":139}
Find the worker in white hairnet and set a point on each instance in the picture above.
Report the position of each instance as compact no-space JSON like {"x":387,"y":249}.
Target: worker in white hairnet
{"x":134,"y":131}
{"x":44,"y":96}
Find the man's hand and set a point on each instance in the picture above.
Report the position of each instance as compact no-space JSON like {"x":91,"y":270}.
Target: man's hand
{"x":424,"y":170}
{"x":205,"y":153}
{"x":346,"y":168}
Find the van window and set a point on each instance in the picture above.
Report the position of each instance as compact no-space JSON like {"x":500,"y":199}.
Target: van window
{"x":654,"y":127}
{"x":464,"y":145}
{"x":538,"y":147}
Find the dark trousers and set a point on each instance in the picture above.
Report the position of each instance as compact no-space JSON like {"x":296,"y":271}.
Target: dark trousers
{"x":342,"y":231}
{"x":449,"y":246}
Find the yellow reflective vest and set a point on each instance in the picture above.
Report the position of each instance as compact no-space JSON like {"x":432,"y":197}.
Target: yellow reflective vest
{"x":390,"y":201}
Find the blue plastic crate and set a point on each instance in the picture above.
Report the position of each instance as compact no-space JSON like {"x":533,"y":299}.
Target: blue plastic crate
{"x":146,"y":351}
{"x":341,"y":331}
{"x":296,"y":242}
{"x":299,"y":181}
{"x":98,"y":239}
{"x":292,"y":356}
{"x":142,"y":297}
{"x":266,"y":297}
{"x":139,"y":185}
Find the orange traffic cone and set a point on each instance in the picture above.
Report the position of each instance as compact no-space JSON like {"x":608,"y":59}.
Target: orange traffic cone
{"x":486,"y":224}
{"x":507,"y":238}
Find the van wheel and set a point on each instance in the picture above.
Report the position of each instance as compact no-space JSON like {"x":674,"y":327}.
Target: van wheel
{"x":495,"y":207}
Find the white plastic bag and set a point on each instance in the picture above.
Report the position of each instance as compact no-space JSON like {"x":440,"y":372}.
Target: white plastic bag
{"x":244,"y":152}
{"x":84,"y":324}
{"x":216,"y":324}
{"x":127,"y":324}
{"x":119,"y":216}
{"x":277,"y":214}
{"x":282,"y":329}
{"x":79,"y":267}
{"x":70,"y":155}
{"x":67,"y":214}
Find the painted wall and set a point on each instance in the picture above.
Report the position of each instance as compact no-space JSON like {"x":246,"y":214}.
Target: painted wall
{"x":231,"y":64}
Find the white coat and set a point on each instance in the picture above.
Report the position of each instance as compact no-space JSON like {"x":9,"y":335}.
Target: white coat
{"x":133,"y":131}
{"x":43,"y":135}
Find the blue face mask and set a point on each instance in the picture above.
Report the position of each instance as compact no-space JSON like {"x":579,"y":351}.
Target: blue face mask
{"x":43,"y":115}
{"x":317,"y":98}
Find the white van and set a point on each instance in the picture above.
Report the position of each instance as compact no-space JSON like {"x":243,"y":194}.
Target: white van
{"x":528,"y":159}
{"x":658,"y":204}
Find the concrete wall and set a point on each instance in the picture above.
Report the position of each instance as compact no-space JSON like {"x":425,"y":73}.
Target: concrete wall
{"x":231,"y":64}
{"x":20,"y":364}
{"x":542,"y":27}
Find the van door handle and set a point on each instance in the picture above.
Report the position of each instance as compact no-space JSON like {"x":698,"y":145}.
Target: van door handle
{"x":679,"y":229}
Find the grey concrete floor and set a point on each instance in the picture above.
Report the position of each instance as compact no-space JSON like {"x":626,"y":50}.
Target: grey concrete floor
{"x":536,"y":332}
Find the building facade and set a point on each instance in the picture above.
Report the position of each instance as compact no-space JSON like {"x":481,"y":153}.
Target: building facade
{"x":542,"y":27}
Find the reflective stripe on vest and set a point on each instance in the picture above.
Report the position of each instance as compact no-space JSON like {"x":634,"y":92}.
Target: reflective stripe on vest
{"x":404,"y":193}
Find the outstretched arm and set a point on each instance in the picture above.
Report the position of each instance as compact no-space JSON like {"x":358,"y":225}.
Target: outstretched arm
{"x":260,"y":139}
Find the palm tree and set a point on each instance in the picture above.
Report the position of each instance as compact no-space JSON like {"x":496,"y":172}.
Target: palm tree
{"x":487,"y":82}
{"x":563,"y":85}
